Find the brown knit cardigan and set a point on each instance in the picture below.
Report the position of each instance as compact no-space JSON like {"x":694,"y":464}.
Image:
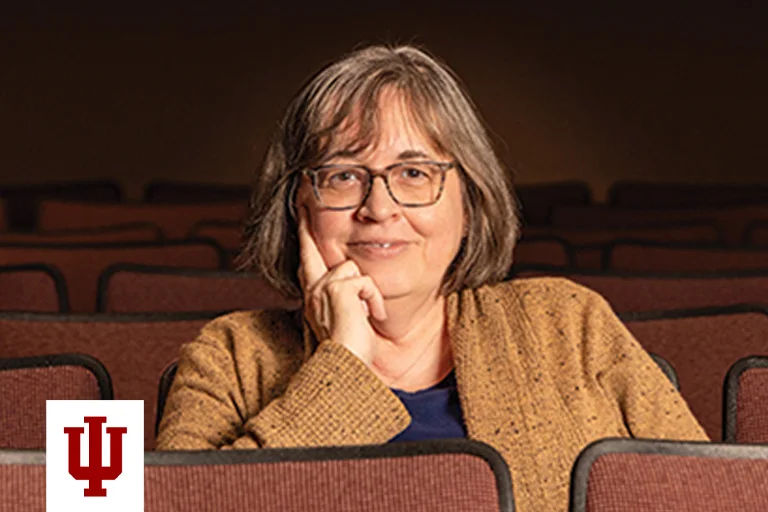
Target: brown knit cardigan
{"x":543,"y":367}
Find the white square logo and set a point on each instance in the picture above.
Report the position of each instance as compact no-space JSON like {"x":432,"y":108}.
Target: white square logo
{"x":94,"y":455}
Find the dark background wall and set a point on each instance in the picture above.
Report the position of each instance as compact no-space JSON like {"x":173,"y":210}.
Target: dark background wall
{"x":654,"y":93}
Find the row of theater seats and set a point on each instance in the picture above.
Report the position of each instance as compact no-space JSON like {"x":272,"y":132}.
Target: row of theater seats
{"x":619,"y":253}
{"x":609,"y":475}
{"x":86,"y":285}
{"x":138,"y":352}
{"x":79,"y":269}
{"x":537,"y":200}
{"x":647,"y":258}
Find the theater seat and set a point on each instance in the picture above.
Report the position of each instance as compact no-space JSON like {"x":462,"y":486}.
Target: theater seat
{"x":26,"y":384}
{"x":634,"y":475}
{"x":432,"y":476}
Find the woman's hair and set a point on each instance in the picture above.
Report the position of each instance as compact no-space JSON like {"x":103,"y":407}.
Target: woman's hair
{"x":346,"y":93}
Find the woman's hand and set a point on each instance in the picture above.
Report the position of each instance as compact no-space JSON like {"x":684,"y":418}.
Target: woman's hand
{"x":337,"y":302}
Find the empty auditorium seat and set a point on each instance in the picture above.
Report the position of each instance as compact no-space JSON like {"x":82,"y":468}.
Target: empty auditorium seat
{"x":125,"y":288}
{"x":134,"y":232}
{"x":731,"y":221}
{"x":161,"y":191}
{"x":135,"y":349}
{"x":636,"y":256}
{"x":702,"y":344}
{"x":22,"y":200}
{"x":537,"y":200}
{"x":630,"y":291}
{"x":544,"y":250}
{"x":26,"y":384}
{"x":431,"y":476}
{"x":81,"y":264}
{"x":175,"y":220}
{"x":634,"y":475}
{"x":588,"y":244}
{"x":33,"y":287}
{"x":634,"y":194}
{"x":746,"y":401}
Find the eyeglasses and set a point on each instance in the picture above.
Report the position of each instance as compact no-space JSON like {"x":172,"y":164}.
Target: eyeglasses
{"x":410,"y":184}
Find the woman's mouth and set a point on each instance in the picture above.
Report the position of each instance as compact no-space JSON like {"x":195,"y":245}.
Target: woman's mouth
{"x":378,"y":249}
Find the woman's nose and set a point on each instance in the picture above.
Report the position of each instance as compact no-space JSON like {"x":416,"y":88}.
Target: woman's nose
{"x":379,"y":205}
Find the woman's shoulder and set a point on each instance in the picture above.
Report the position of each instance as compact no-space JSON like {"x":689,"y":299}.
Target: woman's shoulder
{"x":258,"y":329}
{"x":536,"y":293}
{"x":555,"y":312}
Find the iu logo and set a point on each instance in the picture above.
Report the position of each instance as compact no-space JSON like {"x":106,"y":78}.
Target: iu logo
{"x":94,"y":455}
{"x":95,"y":472}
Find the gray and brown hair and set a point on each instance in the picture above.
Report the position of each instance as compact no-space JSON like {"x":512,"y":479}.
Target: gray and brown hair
{"x":346,"y":93}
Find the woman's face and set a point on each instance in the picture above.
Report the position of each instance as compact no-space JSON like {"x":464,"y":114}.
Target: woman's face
{"x":423,"y":241}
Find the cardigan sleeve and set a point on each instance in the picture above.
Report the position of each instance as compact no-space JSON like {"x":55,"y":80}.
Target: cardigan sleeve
{"x":651,"y":406}
{"x":333,"y":398}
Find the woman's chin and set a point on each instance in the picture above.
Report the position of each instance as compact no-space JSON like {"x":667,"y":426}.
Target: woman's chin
{"x":392,"y":286}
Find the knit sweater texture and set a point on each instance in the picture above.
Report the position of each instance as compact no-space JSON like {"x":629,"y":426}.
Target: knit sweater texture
{"x":543,"y":367}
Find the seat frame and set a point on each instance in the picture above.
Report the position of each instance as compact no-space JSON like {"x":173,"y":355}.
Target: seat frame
{"x":731,"y":393}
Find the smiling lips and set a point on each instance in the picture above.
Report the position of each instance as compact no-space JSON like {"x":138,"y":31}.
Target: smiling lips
{"x":378,"y":248}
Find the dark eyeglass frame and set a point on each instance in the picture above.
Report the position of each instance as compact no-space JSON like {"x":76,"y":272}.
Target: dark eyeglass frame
{"x":384,"y":173}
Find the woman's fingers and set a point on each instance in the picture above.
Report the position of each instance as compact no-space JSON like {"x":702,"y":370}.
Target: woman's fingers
{"x":312,"y":266}
{"x":338,"y":302}
{"x":361,"y":288}
{"x":374,"y":301}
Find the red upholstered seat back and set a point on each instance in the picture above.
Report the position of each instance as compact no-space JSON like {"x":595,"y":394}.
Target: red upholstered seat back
{"x":731,"y":221}
{"x":26,"y":384}
{"x":628,"y":475}
{"x":437,"y":476}
{"x":544,"y":251}
{"x":702,"y":345}
{"x":134,"y":349}
{"x":175,"y":220}
{"x":81,"y":264}
{"x":445,"y":476}
{"x":588,"y":243}
{"x":647,"y":257}
{"x":32,"y":287}
{"x":628,"y":292}
{"x":136,"y":289}
{"x":22,"y":199}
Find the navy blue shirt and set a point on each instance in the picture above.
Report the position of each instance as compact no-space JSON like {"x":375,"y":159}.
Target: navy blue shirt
{"x":435,"y":412}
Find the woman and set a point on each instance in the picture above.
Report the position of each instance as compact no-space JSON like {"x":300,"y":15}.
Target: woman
{"x":408,"y":331}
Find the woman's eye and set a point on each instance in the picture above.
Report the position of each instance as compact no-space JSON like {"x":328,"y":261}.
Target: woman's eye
{"x":343,"y":176}
{"x":413,"y":173}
